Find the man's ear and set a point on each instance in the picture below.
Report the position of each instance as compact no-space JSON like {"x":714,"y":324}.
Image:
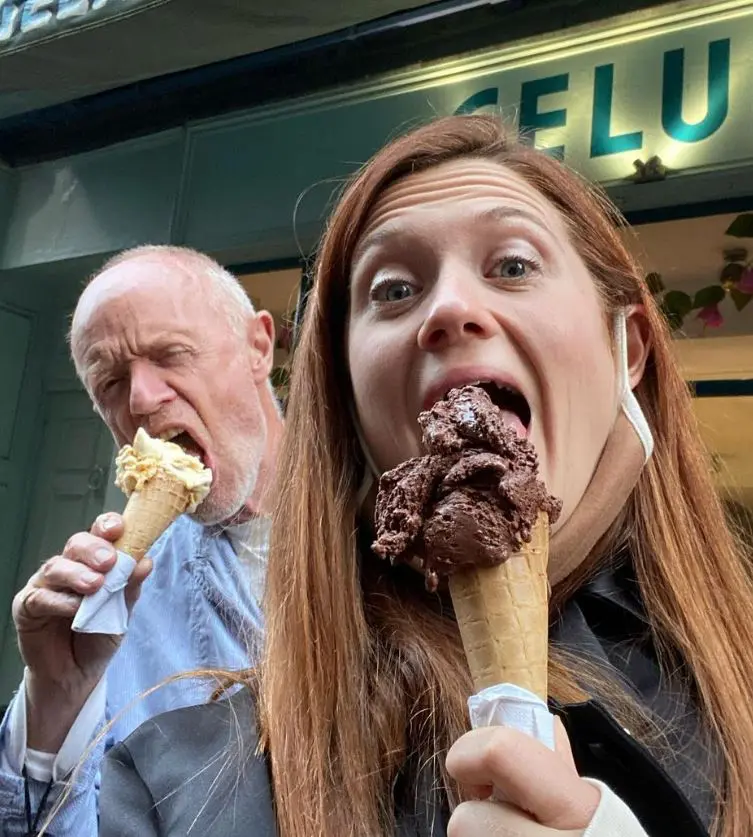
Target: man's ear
{"x":638,"y":342}
{"x":261,"y":341}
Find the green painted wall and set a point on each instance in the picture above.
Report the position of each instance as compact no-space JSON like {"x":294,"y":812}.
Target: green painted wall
{"x":94,"y":203}
{"x":50,"y":439}
{"x":8,"y":180}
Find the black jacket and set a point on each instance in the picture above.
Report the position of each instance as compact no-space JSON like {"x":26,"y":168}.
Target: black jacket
{"x":194,"y":771}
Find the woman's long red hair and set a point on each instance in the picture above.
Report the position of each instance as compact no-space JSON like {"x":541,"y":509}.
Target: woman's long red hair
{"x":363,"y":686}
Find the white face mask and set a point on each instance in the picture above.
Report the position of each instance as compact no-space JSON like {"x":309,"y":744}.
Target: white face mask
{"x":628,"y":404}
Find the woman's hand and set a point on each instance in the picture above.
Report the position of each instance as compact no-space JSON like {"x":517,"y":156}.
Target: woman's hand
{"x":542,"y":794}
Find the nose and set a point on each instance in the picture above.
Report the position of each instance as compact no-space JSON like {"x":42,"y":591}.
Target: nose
{"x":458,"y":312}
{"x":148,"y":389}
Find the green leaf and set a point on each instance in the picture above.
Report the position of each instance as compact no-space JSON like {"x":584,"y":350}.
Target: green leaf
{"x":712,"y":295}
{"x":740,"y":298}
{"x":674,"y":320}
{"x":731,"y":272}
{"x":655,"y":284}
{"x":678,"y":302}
{"x":742,"y":226}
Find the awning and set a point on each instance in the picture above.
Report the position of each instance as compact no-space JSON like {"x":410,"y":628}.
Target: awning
{"x":54,"y":51}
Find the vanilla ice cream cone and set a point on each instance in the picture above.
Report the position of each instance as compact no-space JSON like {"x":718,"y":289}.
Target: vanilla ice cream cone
{"x":161,"y":482}
{"x":150,"y":511}
{"x":503,"y":616}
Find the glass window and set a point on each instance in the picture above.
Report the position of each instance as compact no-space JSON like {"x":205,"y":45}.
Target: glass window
{"x":703,"y":274}
{"x":276,"y":292}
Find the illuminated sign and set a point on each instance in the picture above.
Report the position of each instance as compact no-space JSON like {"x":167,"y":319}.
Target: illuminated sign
{"x":603,"y":140}
{"x":682,"y":91}
{"x":24,"y":21}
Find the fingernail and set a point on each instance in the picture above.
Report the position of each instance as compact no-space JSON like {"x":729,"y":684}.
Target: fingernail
{"x":102,"y":554}
{"x":89,"y":577}
{"x":108,"y":522}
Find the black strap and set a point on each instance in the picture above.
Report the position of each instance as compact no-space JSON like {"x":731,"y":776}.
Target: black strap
{"x":32,"y":828}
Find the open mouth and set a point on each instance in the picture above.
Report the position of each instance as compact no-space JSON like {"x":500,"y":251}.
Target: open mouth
{"x":185,"y":440}
{"x":511,"y":403}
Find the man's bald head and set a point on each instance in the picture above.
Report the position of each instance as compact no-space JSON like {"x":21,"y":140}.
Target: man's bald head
{"x":190,"y":272}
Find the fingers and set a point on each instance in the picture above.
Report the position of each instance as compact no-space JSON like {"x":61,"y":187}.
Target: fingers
{"x":65,"y":575}
{"x":91,"y":551}
{"x":472,"y":819}
{"x":108,"y":526}
{"x":526,"y":773}
{"x":38,"y":603}
{"x":562,"y":744}
{"x":140,"y":573}
{"x":56,"y":589}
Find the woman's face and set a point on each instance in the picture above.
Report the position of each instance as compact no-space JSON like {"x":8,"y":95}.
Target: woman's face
{"x":466,"y":273}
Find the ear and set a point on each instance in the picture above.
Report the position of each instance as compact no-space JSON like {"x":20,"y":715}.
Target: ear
{"x":261,"y":341}
{"x":638,"y":342}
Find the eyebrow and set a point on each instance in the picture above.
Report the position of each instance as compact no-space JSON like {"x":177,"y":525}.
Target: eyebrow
{"x":508,"y":213}
{"x":495,"y":214}
{"x":95,"y":356}
{"x":92,"y":357}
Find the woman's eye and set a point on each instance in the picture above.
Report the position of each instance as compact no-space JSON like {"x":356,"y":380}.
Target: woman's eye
{"x":394,"y":290}
{"x":512,"y":268}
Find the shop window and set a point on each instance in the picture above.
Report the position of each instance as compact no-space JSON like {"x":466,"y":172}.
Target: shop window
{"x":701,"y":271}
{"x":276,"y":292}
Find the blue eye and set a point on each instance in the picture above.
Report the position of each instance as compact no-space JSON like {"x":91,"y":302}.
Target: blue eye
{"x":512,"y":268}
{"x":392,"y":290}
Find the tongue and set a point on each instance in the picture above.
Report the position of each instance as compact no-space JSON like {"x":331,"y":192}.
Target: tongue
{"x":512,"y":419}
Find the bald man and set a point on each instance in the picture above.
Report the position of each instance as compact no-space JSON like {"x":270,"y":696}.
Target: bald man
{"x":165,"y":339}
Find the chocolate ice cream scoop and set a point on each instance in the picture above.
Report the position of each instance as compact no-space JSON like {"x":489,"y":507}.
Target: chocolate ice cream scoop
{"x":471,"y":501}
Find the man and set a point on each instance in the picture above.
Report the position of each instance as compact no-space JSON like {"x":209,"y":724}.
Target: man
{"x":162,"y":338}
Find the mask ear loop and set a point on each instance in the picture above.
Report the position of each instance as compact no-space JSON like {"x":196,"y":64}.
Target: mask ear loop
{"x":628,"y":402}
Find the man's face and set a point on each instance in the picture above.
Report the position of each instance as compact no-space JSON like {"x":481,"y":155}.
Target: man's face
{"x":155,"y":350}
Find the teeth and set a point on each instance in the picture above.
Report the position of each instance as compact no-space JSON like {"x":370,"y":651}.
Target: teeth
{"x":500,"y":387}
{"x":167,"y":435}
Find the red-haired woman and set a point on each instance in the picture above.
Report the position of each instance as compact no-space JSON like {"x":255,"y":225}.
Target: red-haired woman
{"x":458,"y":254}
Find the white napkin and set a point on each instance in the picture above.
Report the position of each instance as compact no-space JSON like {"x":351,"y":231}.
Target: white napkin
{"x":511,"y":706}
{"x":105,"y":611}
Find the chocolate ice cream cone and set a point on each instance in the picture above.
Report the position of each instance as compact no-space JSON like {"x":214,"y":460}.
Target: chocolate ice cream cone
{"x":503,"y":616}
{"x":150,"y":511}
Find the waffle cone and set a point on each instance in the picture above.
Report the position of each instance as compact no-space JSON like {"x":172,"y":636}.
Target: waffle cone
{"x":150,"y":511}
{"x":502,"y":613}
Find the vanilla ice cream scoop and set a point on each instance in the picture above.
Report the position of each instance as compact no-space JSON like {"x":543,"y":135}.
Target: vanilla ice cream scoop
{"x":141,"y":462}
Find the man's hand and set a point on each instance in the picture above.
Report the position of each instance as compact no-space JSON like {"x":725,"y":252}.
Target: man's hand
{"x":542,"y":794}
{"x":64,"y":666}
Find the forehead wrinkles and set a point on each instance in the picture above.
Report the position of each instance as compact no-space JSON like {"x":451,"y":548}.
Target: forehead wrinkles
{"x":453,"y":184}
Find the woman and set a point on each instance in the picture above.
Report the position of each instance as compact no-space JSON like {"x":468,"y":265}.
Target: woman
{"x":459,"y":255}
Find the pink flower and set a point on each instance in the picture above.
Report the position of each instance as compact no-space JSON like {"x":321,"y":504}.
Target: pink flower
{"x":745,"y":282}
{"x":711,"y":316}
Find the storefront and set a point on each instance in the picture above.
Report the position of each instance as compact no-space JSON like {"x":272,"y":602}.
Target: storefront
{"x":655,"y":106}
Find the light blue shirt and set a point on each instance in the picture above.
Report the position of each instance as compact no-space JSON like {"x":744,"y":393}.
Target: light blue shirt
{"x":196,"y":611}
